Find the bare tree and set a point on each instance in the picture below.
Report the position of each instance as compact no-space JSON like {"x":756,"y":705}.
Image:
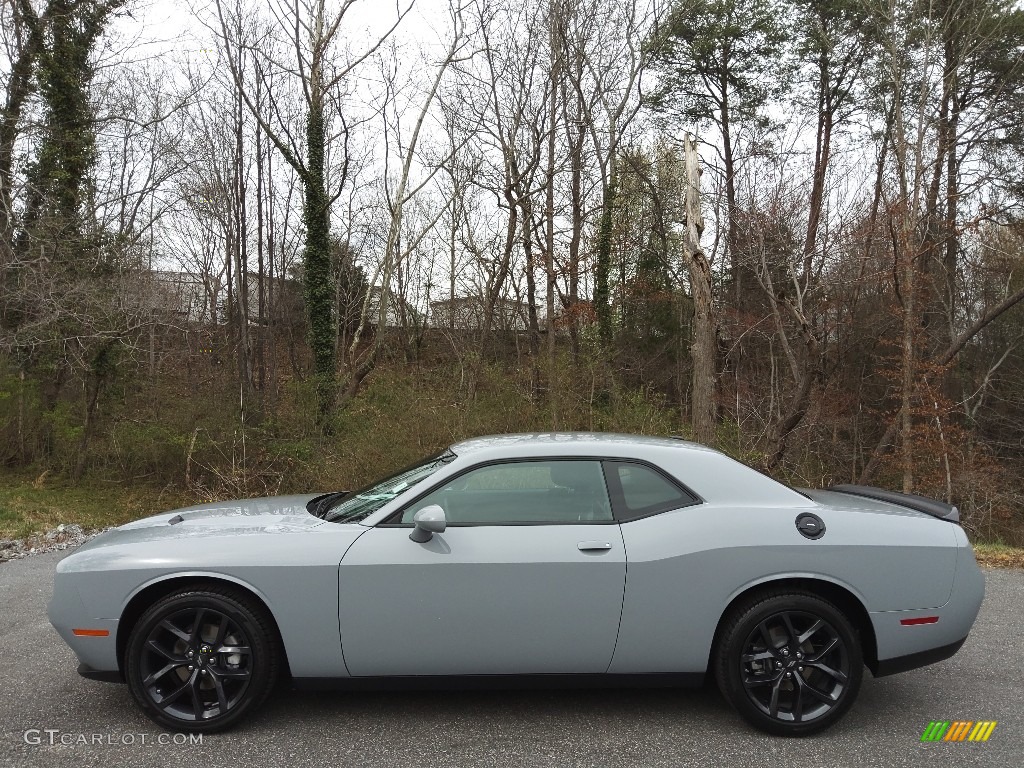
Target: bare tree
{"x":322,"y":64}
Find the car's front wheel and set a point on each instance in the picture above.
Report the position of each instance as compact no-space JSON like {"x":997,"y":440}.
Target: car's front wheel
{"x":200,"y":659}
{"x":789,"y":662}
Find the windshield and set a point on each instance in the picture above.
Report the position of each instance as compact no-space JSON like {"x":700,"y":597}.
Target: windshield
{"x":359,"y":505}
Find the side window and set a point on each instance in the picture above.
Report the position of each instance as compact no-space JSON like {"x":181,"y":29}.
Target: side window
{"x":641,"y":491}
{"x":523,"y":492}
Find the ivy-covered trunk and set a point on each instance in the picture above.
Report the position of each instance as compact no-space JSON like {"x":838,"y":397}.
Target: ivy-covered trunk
{"x":317,"y":267}
{"x":602,"y":287}
{"x":67,"y":150}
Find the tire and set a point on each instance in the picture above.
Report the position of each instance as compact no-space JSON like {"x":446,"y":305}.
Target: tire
{"x":789,"y":662}
{"x":201,"y":659}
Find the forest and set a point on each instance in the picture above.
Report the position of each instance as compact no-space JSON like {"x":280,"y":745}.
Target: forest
{"x":259,"y":246}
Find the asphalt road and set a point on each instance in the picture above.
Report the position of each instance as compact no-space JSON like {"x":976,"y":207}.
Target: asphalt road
{"x":40,"y":690}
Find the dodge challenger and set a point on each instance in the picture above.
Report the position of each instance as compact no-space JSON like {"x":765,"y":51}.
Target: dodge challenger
{"x":552,"y":559}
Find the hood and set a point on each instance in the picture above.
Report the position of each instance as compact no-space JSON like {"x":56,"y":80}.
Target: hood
{"x":243,"y":517}
{"x":276,"y":510}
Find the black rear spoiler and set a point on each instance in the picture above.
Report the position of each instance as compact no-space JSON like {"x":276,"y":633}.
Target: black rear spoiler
{"x":939,"y":509}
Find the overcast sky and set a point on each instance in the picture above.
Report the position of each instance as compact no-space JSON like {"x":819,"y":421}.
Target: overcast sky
{"x":165,"y":25}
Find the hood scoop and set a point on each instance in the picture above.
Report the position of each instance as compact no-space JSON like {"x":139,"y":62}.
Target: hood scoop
{"x":175,"y":520}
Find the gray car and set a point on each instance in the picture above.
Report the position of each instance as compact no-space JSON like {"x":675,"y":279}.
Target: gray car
{"x":560,"y":559}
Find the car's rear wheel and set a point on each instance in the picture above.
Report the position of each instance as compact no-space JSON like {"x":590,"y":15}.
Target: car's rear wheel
{"x":200,"y":659}
{"x":789,"y":662}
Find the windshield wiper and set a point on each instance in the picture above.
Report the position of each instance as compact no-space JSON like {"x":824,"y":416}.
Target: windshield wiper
{"x":319,"y":506}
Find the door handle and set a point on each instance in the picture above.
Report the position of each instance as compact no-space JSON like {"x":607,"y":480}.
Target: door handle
{"x":593,"y":546}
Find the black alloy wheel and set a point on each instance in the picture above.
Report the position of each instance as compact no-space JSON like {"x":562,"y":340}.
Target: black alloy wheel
{"x":198,"y":660}
{"x":790,"y":663}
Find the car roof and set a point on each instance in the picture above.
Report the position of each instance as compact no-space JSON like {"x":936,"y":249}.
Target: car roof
{"x":592,"y":443}
{"x":709,"y":473}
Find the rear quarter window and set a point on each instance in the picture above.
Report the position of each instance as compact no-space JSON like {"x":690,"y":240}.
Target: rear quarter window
{"x":641,"y":491}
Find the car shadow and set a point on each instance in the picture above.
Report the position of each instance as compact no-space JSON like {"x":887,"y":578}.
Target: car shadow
{"x":543,"y":712}
{"x":533,"y":706}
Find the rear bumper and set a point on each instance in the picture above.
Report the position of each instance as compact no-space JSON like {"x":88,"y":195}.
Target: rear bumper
{"x":915,"y":660}
{"x":902,"y":647}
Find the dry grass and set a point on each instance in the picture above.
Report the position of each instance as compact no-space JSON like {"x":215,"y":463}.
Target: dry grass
{"x":33,"y":505}
{"x":999,"y":556}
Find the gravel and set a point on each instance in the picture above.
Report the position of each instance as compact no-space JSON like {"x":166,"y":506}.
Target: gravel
{"x":58,"y":539}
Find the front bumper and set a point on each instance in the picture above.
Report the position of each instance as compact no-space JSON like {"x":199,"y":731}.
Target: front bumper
{"x":67,"y":611}
{"x":100,"y":675}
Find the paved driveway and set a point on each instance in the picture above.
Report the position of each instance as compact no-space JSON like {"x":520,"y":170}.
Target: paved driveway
{"x":40,"y":690}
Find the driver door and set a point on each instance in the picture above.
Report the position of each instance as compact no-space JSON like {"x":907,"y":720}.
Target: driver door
{"x":528,"y":577}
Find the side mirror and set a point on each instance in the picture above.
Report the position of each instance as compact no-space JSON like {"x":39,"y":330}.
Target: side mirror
{"x":429,"y":520}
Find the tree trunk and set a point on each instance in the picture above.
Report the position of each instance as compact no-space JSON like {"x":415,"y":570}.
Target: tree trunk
{"x":317,"y":265}
{"x":261,"y":291}
{"x":703,"y":348}
{"x":245,"y":377}
{"x":577,"y":216}
{"x":732,"y":226}
{"x":549,"y":217}
{"x":602,"y":271}
{"x":907,"y":361}
{"x":498,"y":282}
{"x":29,"y":28}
